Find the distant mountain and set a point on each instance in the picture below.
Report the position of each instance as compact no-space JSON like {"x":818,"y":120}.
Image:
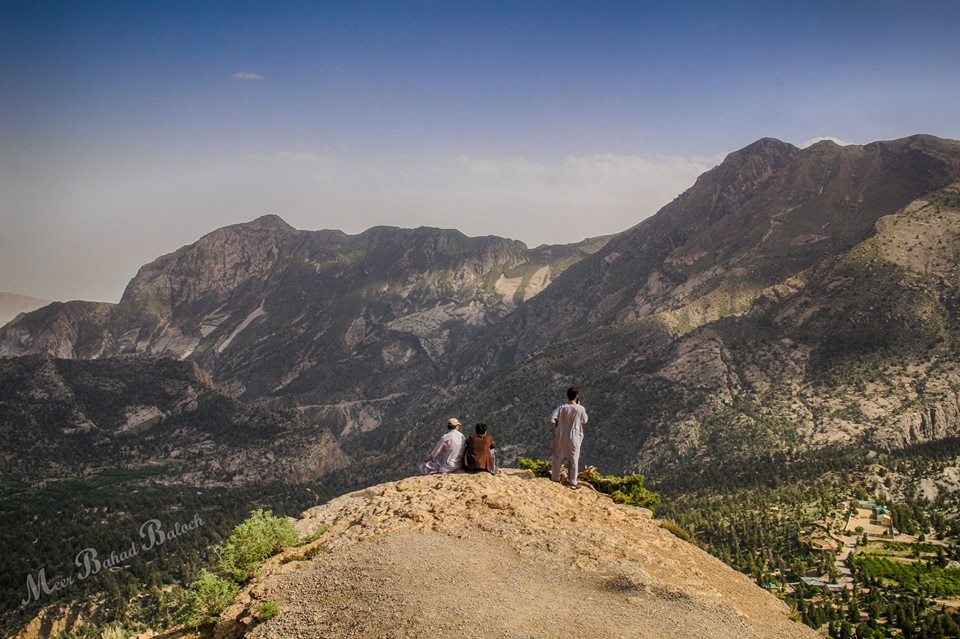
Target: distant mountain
{"x":351,"y":331}
{"x":12,"y":305}
{"x":766,"y":213}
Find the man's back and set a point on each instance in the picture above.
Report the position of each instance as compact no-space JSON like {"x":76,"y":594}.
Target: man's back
{"x":479,"y":453}
{"x":452,"y":445}
{"x":569,"y":419}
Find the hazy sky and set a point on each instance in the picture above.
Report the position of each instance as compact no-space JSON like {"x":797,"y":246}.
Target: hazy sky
{"x":129,"y":129}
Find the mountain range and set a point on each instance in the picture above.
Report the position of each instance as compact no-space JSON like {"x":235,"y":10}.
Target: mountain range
{"x":791,"y":302}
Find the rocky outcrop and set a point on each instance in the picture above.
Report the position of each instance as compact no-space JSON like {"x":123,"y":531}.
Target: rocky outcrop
{"x":505,"y":556}
{"x":62,"y":329}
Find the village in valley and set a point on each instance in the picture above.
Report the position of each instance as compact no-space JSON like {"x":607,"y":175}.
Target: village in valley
{"x":870,"y":569}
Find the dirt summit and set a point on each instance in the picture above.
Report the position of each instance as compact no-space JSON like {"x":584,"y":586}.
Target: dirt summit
{"x":498,"y":556}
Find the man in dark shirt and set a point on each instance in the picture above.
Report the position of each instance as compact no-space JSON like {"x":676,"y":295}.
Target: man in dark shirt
{"x":479,"y":453}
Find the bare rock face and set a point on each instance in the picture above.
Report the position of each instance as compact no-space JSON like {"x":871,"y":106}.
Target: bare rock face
{"x":499,"y":556}
{"x":213,"y":267}
{"x":68,"y":330}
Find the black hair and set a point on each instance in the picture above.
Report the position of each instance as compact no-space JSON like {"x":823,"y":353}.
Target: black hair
{"x":572,"y":393}
{"x":481,"y":429}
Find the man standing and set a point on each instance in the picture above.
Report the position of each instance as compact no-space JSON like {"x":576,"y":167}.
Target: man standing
{"x":568,"y":420}
{"x":447,"y":455}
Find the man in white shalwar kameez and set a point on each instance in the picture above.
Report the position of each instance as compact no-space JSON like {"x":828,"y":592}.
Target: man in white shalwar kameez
{"x":568,"y":420}
{"x":447,"y":455}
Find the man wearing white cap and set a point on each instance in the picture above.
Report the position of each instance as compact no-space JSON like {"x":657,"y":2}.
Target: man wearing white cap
{"x":447,"y":455}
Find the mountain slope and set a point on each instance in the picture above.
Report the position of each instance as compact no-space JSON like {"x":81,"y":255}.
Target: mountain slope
{"x":740,"y":322}
{"x":765,"y":213}
{"x":505,"y":556}
{"x":162,"y":418}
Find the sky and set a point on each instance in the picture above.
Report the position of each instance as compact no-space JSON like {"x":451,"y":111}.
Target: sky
{"x":129,"y":129}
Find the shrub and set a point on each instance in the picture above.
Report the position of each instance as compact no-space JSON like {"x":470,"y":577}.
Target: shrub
{"x":267,"y":610}
{"x":539,"y":467}
{"x":627,"y":490}
{"x":113,"y":632}
{"x":208,"y":596}
{"x":252,"y":542}
{"x":677,"y":530}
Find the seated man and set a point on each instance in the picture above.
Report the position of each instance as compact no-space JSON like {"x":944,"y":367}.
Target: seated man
{"x":447,"y":455}
{"x":480,"y":453}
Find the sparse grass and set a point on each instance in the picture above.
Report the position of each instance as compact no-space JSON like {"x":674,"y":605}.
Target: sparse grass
{"x":313,"y":552}
{"x":677,"y":530}
{"x":114,"y":631}
{"x":317,"y":534}
{"x":628,"y":490}
{"x":267,"y":610}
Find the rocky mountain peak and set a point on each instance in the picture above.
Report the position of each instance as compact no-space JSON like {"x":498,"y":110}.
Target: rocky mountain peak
{"x":509,"y":554}
{"x":764,"y":147}
{"x":214,"y":265}
{"x":269,"y":221}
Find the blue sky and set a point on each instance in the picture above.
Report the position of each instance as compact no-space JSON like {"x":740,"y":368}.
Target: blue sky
{"x":128,"y":129}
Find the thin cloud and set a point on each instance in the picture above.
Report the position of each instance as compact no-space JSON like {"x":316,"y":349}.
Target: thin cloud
{"x":246,"y":75}
{"x":289,"y":156}
{"x":299,"y":156}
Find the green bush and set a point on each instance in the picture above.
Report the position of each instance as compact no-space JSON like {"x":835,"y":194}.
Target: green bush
{"x":208,"y":596}
{"x":540,"y":467}
{"x":267,"y":610}
{"x":252,"y":542}
{"x":629,"y":490}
